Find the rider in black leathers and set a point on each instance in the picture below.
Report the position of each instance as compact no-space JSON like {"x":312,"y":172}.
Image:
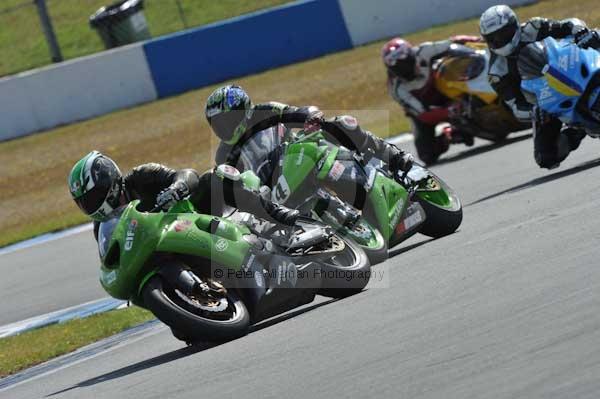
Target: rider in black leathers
{"x":157,"y":186}
{"x":237,"y":122}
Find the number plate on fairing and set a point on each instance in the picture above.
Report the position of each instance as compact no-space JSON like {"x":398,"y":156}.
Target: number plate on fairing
{"x":415,"y":215}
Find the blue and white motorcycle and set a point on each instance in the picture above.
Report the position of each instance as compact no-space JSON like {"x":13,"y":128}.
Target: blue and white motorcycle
{"x":563,"y":80}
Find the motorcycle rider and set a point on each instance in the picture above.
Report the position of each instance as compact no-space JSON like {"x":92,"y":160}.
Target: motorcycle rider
{"x":505,"y":37}
{"x":411,"y":83}
{"x":98,"y":188}
{"x":236,"y":121}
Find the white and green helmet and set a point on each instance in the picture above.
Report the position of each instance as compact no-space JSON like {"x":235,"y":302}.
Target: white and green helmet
{"x":95,"y":185}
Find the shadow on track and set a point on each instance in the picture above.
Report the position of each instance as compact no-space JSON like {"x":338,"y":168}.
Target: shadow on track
{"x":483,"y":149}
{"x":541,"y":180}
{"x":401,"y":250}
{"x":184,"y":352}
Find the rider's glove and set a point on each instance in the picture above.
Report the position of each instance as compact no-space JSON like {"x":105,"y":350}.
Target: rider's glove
{"x":400,"y":160}
{"x":313,"y":121}
{"x":587,"y":38}
{"x":170,"y":195}
{"x":285,"y":215}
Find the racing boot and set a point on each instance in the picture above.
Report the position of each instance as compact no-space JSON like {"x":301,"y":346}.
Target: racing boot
{"x":457,"y":136}
{"x":574,"y":136}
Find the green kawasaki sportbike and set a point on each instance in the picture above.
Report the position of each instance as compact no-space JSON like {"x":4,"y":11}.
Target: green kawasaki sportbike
{"x":209,"y":278}
{"x":311,"y":174}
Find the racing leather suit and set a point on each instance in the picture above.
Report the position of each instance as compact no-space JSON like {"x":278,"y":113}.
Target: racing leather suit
{"x":551,"y":145}
{"x":422,"y":102}
{"x":208,"y":192}
{"x":348,"y":182}
{"x":343,"y":130}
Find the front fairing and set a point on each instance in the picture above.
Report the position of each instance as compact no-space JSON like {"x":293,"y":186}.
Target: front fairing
{"x":300,"y":161}
{"x":563,"y":80}
{"x":465,"y":73}
{"x":137,"y":236}
{"x":132,"y":242}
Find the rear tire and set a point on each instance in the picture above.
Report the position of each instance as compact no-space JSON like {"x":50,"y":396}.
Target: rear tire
{"x":190,"y":326}
{"x":500,"y":137}
{"x":352,"y":260}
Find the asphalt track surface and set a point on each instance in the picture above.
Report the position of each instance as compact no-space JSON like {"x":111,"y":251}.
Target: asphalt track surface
{"x":508,"y":307}
{"x":48,"y":277}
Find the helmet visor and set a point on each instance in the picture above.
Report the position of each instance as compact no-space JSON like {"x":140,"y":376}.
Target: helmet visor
{"x":405,"y":69}
{"x":502,"y":36}
{"x":225,"y":124}
{"x":92,"y":200}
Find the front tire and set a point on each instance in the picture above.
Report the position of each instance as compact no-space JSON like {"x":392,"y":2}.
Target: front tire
{"x":443,"y":211}
{"x":376,"y":249}
{"x":193,"y":326}
{"x":439,"y":222}
{"x":350,"y":262}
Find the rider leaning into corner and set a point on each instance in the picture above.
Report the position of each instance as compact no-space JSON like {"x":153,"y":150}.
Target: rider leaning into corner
{"x":505,"y":37}
{"x":239,"y":123}
{"x":98,"y":188}
{"x":411,"y":83}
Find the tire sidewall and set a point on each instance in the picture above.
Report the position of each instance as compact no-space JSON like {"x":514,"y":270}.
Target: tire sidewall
{"x":360,"y":269}
{"x":189,"y":324}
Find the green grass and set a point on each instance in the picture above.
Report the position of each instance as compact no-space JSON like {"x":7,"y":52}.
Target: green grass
{"x":23,"y":46}
{"x":33,"y":347}
{"x":35,"y":198}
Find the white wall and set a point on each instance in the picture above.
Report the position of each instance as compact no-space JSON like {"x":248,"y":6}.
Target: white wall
{"x":377,"y":19}
{"x":74,"y":90}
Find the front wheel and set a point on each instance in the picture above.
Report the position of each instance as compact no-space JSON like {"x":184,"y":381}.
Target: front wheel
{"x":439,"y":222}
{"x":195,"y":318}
{"x":442,"y":207}
{"x":369,"y":239}
{"x":347,"y":272}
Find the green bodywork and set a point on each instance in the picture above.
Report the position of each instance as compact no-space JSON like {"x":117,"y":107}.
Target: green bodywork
{"x":309,"y":155}
{"x":127,"y":262}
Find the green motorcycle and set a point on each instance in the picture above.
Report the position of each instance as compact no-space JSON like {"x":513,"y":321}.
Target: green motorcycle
{"x":391,"y":209}
{"x":209,"y":278}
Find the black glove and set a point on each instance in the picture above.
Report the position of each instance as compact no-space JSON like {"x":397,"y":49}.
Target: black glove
{"x":279,"y":213}
{"x":284,"y":215}
{"x":170,"y":195}
{"x":400,"y":160}
{"x":586,"y":38}
{"x":313,"y":121}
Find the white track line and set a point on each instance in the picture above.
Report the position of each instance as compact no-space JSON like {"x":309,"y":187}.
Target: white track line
{"x":401,"y":139}
{"x":60,"y":316}
{"x":44,"y":238}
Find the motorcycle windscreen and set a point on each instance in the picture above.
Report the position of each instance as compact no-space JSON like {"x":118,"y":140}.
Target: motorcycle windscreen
{"x":461,"y":69}
{"x":106,"y":229}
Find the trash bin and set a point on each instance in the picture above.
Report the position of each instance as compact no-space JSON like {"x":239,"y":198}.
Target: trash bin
{"x":121,"y":23}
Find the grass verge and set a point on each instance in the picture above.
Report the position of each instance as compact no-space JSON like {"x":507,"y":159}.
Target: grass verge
{"x":77,"y":38}
{"x":173,"y":131}
{"x":37,"y":346}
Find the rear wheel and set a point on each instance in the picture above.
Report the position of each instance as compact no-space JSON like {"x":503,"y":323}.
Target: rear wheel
{"x":500,"y":137}
{"x":196,"y":316}
{"x":347,"y":272}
